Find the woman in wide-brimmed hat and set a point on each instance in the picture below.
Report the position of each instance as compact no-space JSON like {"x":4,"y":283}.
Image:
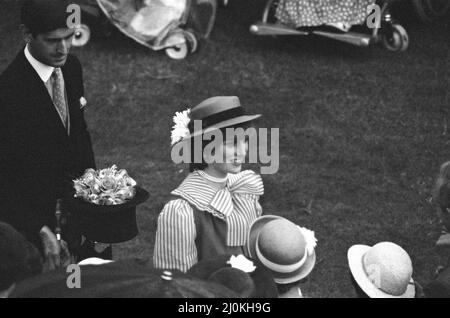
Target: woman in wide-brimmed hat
{"x":285,"y":249}
{"x":214,"y":206}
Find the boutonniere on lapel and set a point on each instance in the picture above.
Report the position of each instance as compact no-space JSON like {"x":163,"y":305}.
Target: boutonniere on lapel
{"x":83,"y":102}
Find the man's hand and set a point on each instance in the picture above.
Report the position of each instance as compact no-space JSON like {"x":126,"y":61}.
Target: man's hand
{"x":52,"y":249}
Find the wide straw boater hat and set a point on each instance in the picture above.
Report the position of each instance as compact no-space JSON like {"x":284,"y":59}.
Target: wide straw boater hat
{"x":283,"y":247}
{"x":214,"y":113}
{"x":382,"y":271}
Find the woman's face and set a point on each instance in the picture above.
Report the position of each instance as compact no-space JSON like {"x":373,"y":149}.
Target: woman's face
{"x":234,"y":152}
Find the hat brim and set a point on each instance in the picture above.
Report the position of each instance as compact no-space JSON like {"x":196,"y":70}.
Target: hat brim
{"x":279,"y":278}
{"x":302,"y":272}
{"x":355,"y":256}
{"x":226,"y":123}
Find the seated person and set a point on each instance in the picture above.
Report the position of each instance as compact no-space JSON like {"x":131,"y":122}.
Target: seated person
{"x":19,"y":259}
{"x":382,"y":271}
{"x":340,"y":14}
{"x":285,"y":249}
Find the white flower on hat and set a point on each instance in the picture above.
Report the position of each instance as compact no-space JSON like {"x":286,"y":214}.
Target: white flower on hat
{"x":242,"y":263}
{"x":310,"y":238}
{"x":180,"y":130}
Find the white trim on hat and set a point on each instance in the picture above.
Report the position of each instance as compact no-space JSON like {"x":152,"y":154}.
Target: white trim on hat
{"x":355,"y":257}
{"x":284,"y":269}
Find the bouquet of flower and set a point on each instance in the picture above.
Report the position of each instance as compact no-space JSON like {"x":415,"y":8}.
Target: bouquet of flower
{"x":105,"y":187}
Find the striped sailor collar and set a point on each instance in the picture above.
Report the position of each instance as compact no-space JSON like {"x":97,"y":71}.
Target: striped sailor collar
{"x":200,"y":193}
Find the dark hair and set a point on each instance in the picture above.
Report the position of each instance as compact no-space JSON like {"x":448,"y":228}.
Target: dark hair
{"x":19,"y":259}
{"x":41,"y":16}
{"x":202,"y":165}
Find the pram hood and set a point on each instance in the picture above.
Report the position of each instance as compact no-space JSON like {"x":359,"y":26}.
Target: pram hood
{"x":146,"y":21}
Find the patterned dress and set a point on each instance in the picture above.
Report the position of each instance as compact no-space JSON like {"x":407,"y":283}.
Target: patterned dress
{"x":203,"y":215}
{"x":300,"y":13}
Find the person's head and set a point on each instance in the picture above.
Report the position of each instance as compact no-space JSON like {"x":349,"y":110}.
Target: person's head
{"x":217,"y":131}
{"x":46,"y":29}
{"x":19,"y":259}
{"x":381,"y":271}
{"x":237,"y":273}
{"x":284,"y":248}
{"x":234,"y":151}
{"x":443,"y":179}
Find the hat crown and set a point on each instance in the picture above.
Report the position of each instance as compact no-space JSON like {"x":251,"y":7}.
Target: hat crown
{"x":389,"y":267}
{"x":281,"y":242}
{"x":213,"y":106}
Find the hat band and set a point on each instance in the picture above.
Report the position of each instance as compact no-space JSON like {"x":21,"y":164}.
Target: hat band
{"x":277,"y":267}
{"x":218,"y":117}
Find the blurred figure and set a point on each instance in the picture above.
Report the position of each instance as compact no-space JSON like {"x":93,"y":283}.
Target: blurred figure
{"x":381,"y":271}
{"x":19,"y":259}
{"x":133,"y":278}
{"x":285,"y":249}
{"x":440,"y":286}
{"x":441,"y":198}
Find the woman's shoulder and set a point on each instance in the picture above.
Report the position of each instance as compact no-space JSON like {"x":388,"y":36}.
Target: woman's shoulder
{"x":177,"y":206}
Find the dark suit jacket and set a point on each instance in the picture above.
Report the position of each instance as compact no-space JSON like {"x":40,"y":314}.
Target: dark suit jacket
{"x":38,"y":160}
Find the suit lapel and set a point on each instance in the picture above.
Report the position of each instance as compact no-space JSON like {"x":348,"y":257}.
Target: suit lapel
{"x":42,"y":97}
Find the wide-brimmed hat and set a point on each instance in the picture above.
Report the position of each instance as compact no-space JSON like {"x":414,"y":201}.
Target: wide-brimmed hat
{"x":216,"y":113}
{"x":282,"y":247}
{"x":382,"y":271}
{"x":256,"y":284}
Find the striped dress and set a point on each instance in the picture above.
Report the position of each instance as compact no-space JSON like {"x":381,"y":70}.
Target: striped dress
{"x":237,"y":204}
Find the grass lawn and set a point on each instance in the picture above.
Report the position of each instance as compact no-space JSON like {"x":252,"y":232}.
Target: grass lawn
{"x":362,"y":131}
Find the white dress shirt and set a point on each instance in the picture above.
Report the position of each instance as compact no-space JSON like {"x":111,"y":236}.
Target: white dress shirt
{"x":45,"y":72}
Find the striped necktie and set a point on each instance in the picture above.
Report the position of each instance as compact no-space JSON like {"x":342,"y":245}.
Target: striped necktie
{"x":59,"y":96}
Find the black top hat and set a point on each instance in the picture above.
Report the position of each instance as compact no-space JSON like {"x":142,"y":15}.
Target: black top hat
{"x":107,"y":223}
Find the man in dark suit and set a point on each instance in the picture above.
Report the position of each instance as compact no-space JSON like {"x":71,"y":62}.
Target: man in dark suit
{"x":44,"y":142}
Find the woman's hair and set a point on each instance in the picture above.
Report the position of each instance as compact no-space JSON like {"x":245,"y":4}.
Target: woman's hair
{"x":442,"y":180}
{"x":202,"y":165}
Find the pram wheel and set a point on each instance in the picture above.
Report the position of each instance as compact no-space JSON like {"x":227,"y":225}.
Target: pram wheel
{"x":82,"y":36}
{"x":396,"y":39}
{"x":177,"y":52}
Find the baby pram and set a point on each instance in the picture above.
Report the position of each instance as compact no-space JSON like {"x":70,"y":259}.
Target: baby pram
{"x":172,"y":25}
{"x":391,"y":34}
